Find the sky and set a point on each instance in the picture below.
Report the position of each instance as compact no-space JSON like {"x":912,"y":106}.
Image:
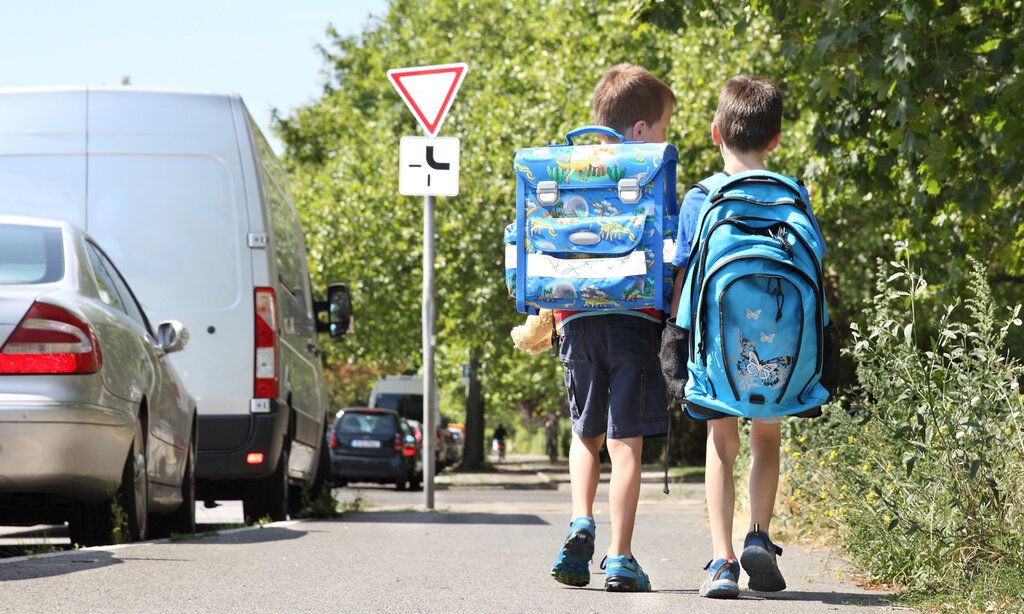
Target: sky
{"x":261,"y":49}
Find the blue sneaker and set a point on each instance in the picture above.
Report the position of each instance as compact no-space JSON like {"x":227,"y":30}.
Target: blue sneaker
{"x":572,"y":567}
{"x":759,"y":562}
{"x":722,"y":581}
{"x":624,"y":575}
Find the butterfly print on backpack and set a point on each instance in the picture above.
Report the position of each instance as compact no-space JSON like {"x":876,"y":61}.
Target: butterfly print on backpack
{"x":755,"y":370}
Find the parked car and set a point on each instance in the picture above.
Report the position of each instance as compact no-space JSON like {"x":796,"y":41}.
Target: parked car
{"x":404,"y":394}
{"x":185,"y":194}
{"x":374,"y":445}
{"x":92,"y":415}
{"x":455,"y":447}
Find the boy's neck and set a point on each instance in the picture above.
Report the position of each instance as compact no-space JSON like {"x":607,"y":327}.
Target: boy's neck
{"x":737,"y":162}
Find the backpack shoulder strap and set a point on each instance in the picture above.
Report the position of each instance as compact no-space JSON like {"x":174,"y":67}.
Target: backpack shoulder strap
{"x":712,"y":183}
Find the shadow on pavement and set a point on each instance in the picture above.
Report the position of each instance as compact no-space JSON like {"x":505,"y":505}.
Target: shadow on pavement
{"x":46,"y":567}
{"x":412,"y":517}
{"x":823,"y":597}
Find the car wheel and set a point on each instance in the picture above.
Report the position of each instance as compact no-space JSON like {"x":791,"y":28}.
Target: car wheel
{"x":416,"y":482}
{"x":401,"y":483}
{"x":123,"y":517}
{"x":268,"y":497}
{"x":182,"y":520}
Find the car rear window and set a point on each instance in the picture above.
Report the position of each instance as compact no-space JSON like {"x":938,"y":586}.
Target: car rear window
{"x":408,"y":406}
{"x":30,"y":254}
{"x":367,"y":424}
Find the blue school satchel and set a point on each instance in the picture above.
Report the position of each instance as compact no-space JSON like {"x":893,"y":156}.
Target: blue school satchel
{"x":759,"y":335}
{"x":595,"y":225}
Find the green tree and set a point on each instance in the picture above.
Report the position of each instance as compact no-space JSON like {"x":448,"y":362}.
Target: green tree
{"x":533,"y":67}
{"x":915,"y":114}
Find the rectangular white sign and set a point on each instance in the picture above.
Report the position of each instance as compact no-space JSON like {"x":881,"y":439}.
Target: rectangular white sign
{"x":428,"y":166}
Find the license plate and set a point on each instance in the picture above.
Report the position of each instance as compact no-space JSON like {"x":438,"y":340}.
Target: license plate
{"x":365,"y":443}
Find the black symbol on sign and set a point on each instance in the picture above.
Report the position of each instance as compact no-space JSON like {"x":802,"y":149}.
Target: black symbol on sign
{"x":434,"y":164}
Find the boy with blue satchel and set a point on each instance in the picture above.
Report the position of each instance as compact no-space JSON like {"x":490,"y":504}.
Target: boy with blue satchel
{"x":594,"y":229}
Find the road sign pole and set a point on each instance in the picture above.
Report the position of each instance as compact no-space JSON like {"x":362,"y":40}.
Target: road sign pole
{"x":429,"y":426}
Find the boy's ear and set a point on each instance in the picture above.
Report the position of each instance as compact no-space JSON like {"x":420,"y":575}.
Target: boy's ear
{"x":774,"y":143}
{"x":637,"y":132}
{"x":716,"y":135}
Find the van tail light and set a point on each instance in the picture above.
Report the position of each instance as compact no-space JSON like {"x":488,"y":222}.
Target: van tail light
{"x":398,"y":442}
{"x":51,"y":340}
{"x":266,"y":344}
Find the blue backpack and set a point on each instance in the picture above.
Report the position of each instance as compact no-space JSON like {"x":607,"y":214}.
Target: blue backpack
{"x":759,"y":339}
{"x":595,"y":225}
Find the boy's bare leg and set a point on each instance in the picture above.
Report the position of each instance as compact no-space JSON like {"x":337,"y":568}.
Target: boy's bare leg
{"x":624,"y":492}
{"x":584,"y":473}
{"x":723,"y":446}
{"x":764,"y":473}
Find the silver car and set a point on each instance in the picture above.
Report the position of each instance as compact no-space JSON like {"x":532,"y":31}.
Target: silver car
{"x":96,"y":428}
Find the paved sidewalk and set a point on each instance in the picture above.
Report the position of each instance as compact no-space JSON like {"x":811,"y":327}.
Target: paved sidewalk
{"x":488,"y":548}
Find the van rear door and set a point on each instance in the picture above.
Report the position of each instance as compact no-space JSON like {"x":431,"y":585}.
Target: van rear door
{"x":167,"y":202}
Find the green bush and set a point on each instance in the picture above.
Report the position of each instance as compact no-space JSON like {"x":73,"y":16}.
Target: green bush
{"x":923,"y":479}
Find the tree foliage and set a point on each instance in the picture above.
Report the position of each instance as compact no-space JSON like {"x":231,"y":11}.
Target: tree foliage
{"x":903,"y":117}
{"x":533,"y":67}
{"x":916,"y":131}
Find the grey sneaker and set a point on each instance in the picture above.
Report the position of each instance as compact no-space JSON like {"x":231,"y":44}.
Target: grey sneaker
{"x":759,"y":561}
{"x":722,"y":581}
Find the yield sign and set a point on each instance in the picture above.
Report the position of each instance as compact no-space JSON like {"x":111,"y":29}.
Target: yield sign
{"x":429,"y":91}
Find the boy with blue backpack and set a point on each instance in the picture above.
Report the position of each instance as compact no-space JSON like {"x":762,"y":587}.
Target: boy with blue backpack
{"x":588,"y":242}
{"x":750,"y":337}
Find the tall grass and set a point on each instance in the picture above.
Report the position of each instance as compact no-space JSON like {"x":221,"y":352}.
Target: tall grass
{"x":923,"y":478}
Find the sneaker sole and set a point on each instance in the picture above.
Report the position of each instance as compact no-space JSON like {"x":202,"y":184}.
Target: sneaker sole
{"x":722,"y":589}
{"x":577,"y":553}
{"x":764,"y":573}
{"x":623,"y":584}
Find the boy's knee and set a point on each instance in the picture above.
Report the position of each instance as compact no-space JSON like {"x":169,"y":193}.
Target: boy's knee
{"x":724,"y":439}
{"x":592,"y":444}
{"x":625,"y":448}
{"x":765,"y":437}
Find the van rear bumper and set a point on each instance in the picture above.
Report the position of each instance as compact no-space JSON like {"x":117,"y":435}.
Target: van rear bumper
{"x":266,"y":435}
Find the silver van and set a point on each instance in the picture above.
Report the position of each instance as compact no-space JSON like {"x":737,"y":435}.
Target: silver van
{"x":185,"y":194}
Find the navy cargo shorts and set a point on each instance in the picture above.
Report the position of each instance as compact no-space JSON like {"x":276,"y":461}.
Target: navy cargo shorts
{"x":613,"y":376}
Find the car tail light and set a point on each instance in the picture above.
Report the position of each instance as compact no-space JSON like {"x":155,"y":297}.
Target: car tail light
{"x":398,"y":442}
{"x":51,"y":340}
{"x":266,"y":344}
{"x":417,"y":434}
{"x":254,"y":458}
{"x":332,"y":440}
{"x":409,"y":449}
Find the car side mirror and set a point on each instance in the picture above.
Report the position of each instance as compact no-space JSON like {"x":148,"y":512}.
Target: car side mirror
{"x":339,"y":311}
{"x":171,"y":336}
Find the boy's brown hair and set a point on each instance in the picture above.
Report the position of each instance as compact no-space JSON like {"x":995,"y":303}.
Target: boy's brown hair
{"x":749,"y":113}
{"x":628,"y":93}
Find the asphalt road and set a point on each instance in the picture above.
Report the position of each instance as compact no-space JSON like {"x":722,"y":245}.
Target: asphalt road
{"x":488,"y":548}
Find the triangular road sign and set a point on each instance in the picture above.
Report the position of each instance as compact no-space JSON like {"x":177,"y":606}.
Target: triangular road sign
{"x":429,"y":91}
